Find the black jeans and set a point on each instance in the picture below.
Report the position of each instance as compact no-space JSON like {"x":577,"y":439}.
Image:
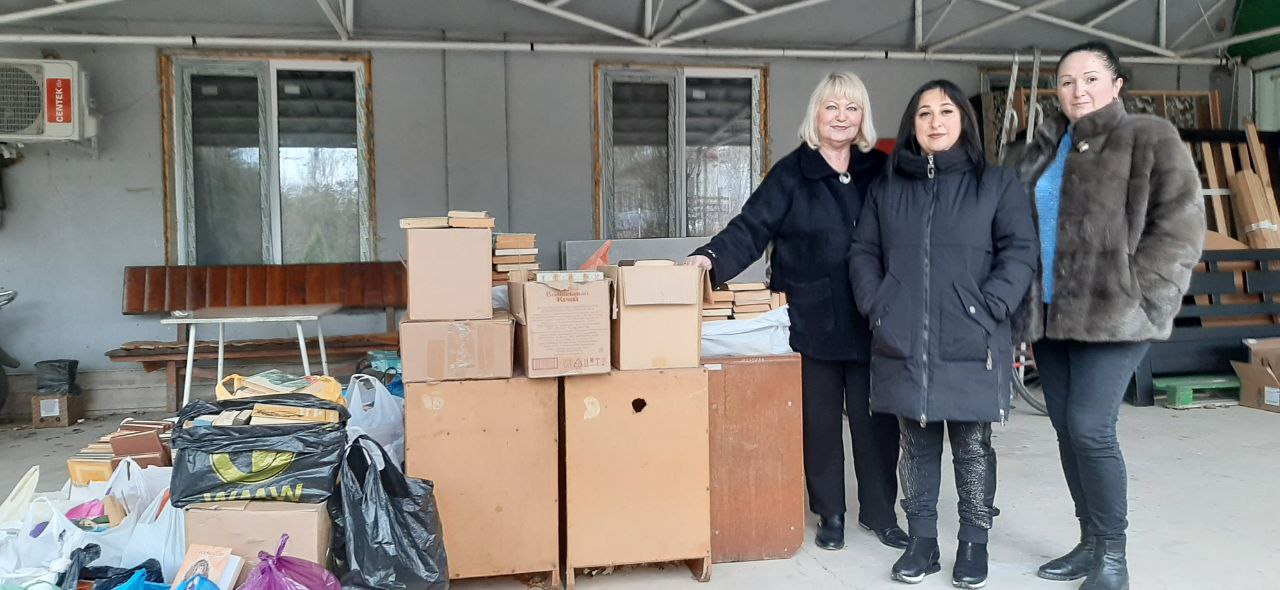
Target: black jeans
{"x":921,"y":471}
{"x":829,"y":388}
{"x":1084,"y":383}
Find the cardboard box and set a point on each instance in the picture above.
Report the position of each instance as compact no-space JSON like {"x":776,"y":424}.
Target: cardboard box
{"x":492,"y":449}
{"x":452,"y":351}
{"x":562,"y":327}
{"x":56,"y":411}
{"x":449,"y":274}
{"x":659,"y":320}
{"x":1259,"y":387}
{"x":248,"y":527}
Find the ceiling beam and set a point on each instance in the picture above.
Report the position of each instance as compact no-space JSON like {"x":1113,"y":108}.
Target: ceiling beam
{"x":1096,"y":32}
{"x":1267,"y":32}
{"x":1204,"y":18}
{"x":648,"y":19}
{"x":1108,"y":13}
{"x":22,"y":15}
{"x":333,"y":19}
{"x":584,"y":21}
{"x":999,"y":22}
{"x":349,"y":16}
{"x":938,"y":22}
{"x":678,"y":19}
{"x":558,"y":3}
{"x":741,"y":20}
{"x":743,"y":8}
{"x":919,"y":14}
{"x":1162,"y":11}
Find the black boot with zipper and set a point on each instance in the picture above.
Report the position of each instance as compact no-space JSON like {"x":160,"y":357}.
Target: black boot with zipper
{"x":970,"y":570}
{"x":1075,"y":564}
{"x":830,"y":532}
{"x":1110,"y":569}
{"x":919,"y":560}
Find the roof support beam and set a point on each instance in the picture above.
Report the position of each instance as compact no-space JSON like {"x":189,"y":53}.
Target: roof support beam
{"x":743,"y":8}
{"x":22,"y":15}
{"x":938,"y":22}
{"x":1108,"y":13}
{"x":999,"y":22}
{"x":1204,"y":18}
{"x":919,"y":14}
{"x":648,"y":19}
{"x":1066,"y":24}
{"x":1163,"y":15}
{"x":741,"y":20}
{"x":678,"y":19}
{"x":333,"y":19}
{"x":558,"y":3}
{"x":349,"y":16}
{"x":584,"y":21}
{"x":1267,"y":32}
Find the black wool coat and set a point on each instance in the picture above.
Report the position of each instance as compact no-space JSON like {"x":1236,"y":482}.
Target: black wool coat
{"x":808,"y":215}
{"x":942,"y":256}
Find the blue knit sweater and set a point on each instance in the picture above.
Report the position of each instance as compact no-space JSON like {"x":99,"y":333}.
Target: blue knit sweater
{"x":1048,"y":200}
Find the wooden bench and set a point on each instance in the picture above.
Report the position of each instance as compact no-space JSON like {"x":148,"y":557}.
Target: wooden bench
{"x":159,"y":290}
{"x":1234,"y":297}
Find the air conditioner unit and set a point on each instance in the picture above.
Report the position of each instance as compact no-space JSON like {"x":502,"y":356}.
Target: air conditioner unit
{"x":44,"y":100}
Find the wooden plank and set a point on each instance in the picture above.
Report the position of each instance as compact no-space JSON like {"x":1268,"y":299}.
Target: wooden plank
{"x":295,"y":283}
{"x":255,"y":285}
{"x":176,"y":288}
{"x":135,"y":290}
{"x":353,"y":294}
{"x":333,"y":284}
{"x":1242,"y":152}
{"x":1229,"y":168}
{"x":314,"y":290}
{"x":1258,"y":153}
{"x":218,"y":287}
{"x":1217,"y":204}
{"x":157,"y":284}
{"x":371,"y":283}
{"x":275,"y":284}
{"x":198,"y":287}
{"x":399,"y":296}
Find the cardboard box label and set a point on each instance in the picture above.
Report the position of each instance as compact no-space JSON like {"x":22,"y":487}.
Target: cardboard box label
{"x":50,"y":408}
{"x":564,"y":327}
{"x":1272,"y":396}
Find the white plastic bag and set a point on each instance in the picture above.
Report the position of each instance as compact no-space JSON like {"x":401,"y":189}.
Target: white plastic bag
{"x":19,"y":500}
{"x":501,"y":298}
{"x":767,"y":334}
{"x":21,"y":552}
{"x":160,"y":534}
{"x":377,"y":413}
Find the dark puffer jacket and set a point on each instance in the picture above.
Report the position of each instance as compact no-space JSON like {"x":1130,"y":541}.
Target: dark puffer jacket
{"x":808,"y":214}
{"x":941,"y":258}
{"x":1130,"y":228}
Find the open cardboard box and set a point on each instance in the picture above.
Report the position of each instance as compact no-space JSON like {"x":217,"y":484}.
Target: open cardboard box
{"x":562,"y":327}
{"x":1259,"y":387}
{"x":658,"y":324}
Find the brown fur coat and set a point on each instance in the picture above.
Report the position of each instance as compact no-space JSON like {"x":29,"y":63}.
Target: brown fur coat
{"x":1130,"y":228}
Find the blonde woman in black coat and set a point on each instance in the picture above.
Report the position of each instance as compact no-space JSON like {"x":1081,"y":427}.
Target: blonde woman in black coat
{"x":807,"y":207}
{"x":943,"y":254}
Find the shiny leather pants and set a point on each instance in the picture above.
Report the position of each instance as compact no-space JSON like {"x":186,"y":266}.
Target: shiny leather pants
{"x":920,"y":472}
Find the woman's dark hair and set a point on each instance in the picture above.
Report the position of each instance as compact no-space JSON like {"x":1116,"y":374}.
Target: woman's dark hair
{"x":970,"y":140}
{"x":1103,"y":51}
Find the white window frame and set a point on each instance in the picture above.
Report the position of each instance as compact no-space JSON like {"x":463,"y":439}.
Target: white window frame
{"x":265,"y":70}
{"x":674,"y":76}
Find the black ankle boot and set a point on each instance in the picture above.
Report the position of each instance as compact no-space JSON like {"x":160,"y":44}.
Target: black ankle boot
{"x":919,"y":560}
{"x":1110,"y":570}
{"x":1075,"y":564}
{"x":830,"y":532}
{"x":970,"y":570}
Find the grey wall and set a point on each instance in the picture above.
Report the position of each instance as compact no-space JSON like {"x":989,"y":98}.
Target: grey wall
{"x":508,"y":133}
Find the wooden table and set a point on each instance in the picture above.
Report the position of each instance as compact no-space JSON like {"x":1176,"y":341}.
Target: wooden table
{"x":251,"y":315}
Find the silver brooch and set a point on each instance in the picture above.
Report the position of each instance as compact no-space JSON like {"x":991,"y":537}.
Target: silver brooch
{"x":1084,"y":146}
{"x":845,"y":178}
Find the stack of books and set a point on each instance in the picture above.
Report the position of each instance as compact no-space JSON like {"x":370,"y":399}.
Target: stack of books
{"x":462,"y":219}
{"x":276,"y":382}
{"x":144,"y":441}
{"x":513,"y":252}
{"x":739,"y":301}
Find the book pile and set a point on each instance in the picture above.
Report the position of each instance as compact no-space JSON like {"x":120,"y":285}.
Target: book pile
{"x":739,"y":301}
{"x":265,"y":414}
{"x":144,"y":441}
{"x":462,"y":219}
{"x":275,"y":382}
{"x":513,"y":252}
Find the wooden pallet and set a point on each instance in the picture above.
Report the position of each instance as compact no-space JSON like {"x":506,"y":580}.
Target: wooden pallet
{"x":1199,"y":391}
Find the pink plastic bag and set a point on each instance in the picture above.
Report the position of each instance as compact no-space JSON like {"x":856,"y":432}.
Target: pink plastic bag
{"x":279,"y":572}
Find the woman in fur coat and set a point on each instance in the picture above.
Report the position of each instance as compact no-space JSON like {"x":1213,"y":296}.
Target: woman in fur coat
{"x":1121,"y":226}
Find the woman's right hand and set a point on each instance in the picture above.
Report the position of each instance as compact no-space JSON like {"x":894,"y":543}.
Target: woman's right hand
{"x":699,"y":261}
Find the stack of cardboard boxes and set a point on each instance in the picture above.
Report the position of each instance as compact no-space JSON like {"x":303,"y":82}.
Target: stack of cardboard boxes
{"x":492,"y":442}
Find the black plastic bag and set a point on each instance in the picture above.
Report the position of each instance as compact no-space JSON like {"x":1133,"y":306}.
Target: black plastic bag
{"x":79,"y":558}
{"x":283,"y":463}
{"x":57,"y":376}
{"x":106,"y":578}
{"x":386,"y":529}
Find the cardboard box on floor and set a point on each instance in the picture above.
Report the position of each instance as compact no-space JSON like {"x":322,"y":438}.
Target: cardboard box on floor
{"x":562,"y":328}
{"x":1259,"y":387}
{"x":452,"y":351}
{"x":659,"y":319}
{"x":248,"y":527}
{"x":449,"y":274}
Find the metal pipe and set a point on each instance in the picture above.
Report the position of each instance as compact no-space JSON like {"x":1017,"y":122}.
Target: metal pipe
{"x":919,"y":14}
{"x":648,"y":19}
{"x":1108,"y":13}
{"x":558,"y":3}
{"x":537,"y":47}
{"x":1267,"y":32}
{"x":582,"y":20}
{"x":22,"y":15}
{"x":937,"y":23}
{"x":1163,"y":9}
{"x":678,"y":19}
{"x":1204,"y":18}
{"x":999,"y":22}
{"x":349,"y":16}
{"x":333,"y":19}
{"x":1064,"y":23}
{"x":742,"y":20}
{"x":743,"y":8}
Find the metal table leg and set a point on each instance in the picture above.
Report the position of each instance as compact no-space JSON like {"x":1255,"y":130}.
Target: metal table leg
{"x":324,"y":357}
{"x":191,"y":361}
{"x":302,"y":346}
{"x":221,"y":345}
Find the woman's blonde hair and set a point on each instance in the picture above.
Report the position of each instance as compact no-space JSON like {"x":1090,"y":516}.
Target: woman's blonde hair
{"x":848,"y":86}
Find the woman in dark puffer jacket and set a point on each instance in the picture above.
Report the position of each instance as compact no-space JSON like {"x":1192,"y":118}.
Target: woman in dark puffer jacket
{"x":944,"y":252}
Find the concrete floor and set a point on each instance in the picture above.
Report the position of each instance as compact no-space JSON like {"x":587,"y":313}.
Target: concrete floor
{"x":1203,"y":490}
